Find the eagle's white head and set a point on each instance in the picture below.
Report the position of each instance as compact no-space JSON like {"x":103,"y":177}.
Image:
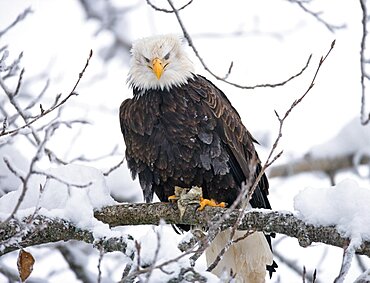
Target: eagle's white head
{"x":159,"y":62}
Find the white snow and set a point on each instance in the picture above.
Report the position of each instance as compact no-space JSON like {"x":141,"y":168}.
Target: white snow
{"x":345,"y":205}
{"x":8,"y":181}
{"x":353,"y":138}
{"x":70,"y":199}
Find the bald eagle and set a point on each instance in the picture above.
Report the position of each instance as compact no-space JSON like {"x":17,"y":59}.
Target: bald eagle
{"x":181,"y":130}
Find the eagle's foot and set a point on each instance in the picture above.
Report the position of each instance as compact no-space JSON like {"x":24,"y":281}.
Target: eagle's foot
{"x":209,"y":202}
{"x":173,"y":198}
{"x":186,"y":196}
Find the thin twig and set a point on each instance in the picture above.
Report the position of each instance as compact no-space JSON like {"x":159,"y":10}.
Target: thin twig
{"x":191,"y":44}
{"x":270,"y":158}
{"x":348,"y":253}
{"x":101,"y":255}
{"x":25,"y":179}
{"x":317,"y":16}
{"x":107,"y":173}
{"x":56,"y":105}
{"x":165,"y":10}
{"x":156,"y":254}
{"x":19,"y":18}
{"x":364,"y":118}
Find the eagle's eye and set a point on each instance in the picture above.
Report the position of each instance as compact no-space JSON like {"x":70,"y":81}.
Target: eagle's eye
{"x":167,"y":56}
{"x":146,"y":59}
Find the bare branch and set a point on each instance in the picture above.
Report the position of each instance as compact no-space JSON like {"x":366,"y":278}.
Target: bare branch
{"x":365,"y":118}
{"x":311,"y":164}
{"x":19,"y":18}
{"x":317,"y":16}
{"x":165,"y":10}
{"x":56,"y":105}
{"x":107,"y":173}
{"x":271,"y":158}
{"x":191,"y":44}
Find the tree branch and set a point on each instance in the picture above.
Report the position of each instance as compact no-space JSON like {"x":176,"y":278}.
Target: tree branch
{"x":308,"y":164}
{"x":57,"y":102}
{"x":222,"y":78}
{"x":52,"y":230}
{"x":365,"y":117}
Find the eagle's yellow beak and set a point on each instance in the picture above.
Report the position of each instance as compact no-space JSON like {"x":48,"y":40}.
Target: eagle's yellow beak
{"x":157,"y":67}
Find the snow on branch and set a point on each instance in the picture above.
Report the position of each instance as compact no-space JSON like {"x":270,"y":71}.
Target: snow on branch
{"x":47,"y":230}
{"x":43,"y":230}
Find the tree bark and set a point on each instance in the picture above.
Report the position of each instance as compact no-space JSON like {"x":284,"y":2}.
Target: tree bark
{"x":46,"y":230}
{"x":327,"y":165}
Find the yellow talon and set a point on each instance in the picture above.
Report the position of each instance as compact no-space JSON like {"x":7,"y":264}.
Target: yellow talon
{"x":173,"y":198}
{"x":209,"y":202}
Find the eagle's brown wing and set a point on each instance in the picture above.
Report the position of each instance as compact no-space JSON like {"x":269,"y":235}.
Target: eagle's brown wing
{"x":236,"y":138}
{"x":243,"y":159}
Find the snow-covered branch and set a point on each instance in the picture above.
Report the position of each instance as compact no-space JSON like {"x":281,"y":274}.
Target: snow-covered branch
{"x":47,"y":230}
{"x":50,"y":230}
{"x":261,"y":220}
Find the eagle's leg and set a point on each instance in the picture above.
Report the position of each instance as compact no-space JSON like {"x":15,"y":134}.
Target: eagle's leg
{"x":178,"y":193}
{"x":186,"y":196}
{"x":210,"y":202}
{"x":173,"y":198}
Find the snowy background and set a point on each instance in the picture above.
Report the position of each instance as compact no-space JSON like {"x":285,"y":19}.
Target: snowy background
{"x":267,"y":40}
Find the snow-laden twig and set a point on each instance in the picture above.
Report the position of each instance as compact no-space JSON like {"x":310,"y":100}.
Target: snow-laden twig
{"x":364,"y":277}
{"x":222,"y":78}
{"x":348,"y":253}
{"x":260,"y":220}
{"x":50,"y":230}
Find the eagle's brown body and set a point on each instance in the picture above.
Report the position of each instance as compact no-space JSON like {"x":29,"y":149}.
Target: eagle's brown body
{"x":189,"y":136}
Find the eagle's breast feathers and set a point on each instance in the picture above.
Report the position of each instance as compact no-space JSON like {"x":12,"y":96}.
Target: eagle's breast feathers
{"x":183,"y":137}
